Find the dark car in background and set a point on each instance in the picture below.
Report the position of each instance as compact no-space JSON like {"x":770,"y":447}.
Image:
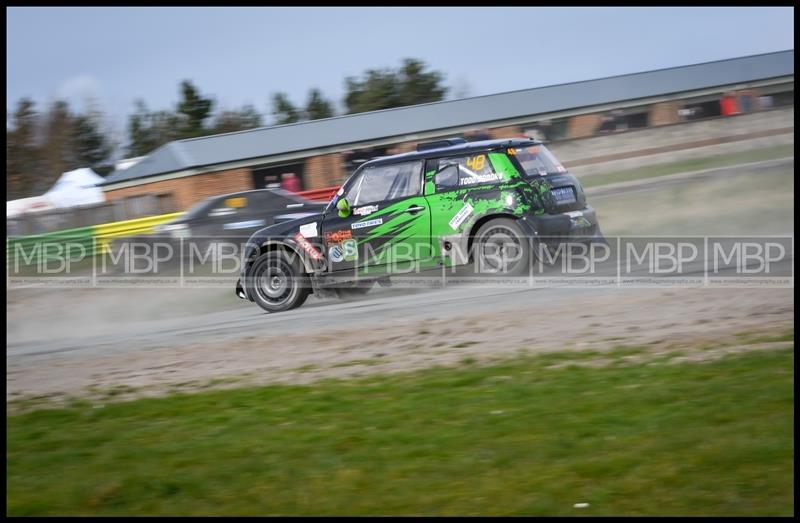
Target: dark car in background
{"x":224,"y":221}
{"x":238,"y":214}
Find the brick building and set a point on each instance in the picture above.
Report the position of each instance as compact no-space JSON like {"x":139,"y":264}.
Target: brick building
{"x":323,"y":153}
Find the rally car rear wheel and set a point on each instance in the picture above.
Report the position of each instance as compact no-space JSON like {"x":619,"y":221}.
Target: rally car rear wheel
{"x":502,"y":249}
{"x":277,"y":282}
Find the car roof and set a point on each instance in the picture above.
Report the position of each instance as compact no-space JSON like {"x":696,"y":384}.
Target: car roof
{"x":448,"y":150}
{"x":272,"y":190}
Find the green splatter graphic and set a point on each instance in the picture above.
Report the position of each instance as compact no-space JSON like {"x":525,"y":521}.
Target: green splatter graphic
{"x":401,"y":231}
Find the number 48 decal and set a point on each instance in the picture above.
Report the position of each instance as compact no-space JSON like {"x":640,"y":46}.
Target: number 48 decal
{"x":476,"y":163}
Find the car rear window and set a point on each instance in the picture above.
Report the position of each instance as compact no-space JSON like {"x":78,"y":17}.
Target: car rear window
{"x":536,"y":160}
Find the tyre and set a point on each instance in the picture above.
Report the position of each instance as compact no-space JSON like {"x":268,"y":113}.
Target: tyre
{"x":278,"y":282}
{"x":501,"y":248}
{"x":349,"y":293}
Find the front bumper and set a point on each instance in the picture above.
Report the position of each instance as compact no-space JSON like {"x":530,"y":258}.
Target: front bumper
{"x":240,"y":292}
{"x":249,"y":255}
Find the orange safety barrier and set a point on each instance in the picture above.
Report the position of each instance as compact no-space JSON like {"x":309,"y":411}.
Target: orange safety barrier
{"x":321,"y":195}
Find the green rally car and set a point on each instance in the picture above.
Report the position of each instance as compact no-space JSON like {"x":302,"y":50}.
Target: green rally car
{"x":450,"y":203}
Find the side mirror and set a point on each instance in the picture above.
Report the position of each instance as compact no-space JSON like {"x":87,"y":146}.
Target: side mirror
{"x":344,"y":208}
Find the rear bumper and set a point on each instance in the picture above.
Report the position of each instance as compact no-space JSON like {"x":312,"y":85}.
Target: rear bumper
{"x":567,"y":226}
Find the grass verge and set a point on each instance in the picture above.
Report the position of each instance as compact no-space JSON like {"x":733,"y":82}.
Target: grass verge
{"x":709,"y":162}
{"x":512,"y":438}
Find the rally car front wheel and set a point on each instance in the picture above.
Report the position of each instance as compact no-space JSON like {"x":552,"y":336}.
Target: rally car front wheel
{"x":277,"y":282}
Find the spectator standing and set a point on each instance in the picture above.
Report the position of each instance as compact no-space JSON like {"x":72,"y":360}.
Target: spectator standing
{"x":546,"y":129}
{"x":290,"y":182}
{"x":746,"y":101}
{"x":728,"y":105}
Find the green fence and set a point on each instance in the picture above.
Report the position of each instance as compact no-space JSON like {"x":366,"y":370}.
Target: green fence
{"x":75,"y":244}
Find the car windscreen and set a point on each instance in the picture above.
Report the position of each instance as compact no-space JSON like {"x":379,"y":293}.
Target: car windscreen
{"x":281,"y":197}
{"x":536,"y":160}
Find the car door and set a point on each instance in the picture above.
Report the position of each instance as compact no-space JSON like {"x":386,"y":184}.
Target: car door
{"x":388,"y":229}
{"x":460,"y":190}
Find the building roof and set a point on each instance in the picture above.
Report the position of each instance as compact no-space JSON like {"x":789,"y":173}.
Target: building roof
{"x":268,"y":141}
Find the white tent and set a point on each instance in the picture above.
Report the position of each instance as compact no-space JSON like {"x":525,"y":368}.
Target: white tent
{"x":78,"y":187}
{"x":28,"y":205}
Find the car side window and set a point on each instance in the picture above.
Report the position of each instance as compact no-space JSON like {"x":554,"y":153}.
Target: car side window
{"x":266,"y":200}
{"x":228,"y":206}
{"x":459,"y":171}
{"x":258,"y":202}
{"x":386,"y":182}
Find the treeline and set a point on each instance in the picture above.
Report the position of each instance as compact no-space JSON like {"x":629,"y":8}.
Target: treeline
{"x":40,"y":145}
